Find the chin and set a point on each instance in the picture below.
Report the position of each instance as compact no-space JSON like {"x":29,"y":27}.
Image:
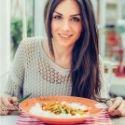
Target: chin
{"x":66,"y":43}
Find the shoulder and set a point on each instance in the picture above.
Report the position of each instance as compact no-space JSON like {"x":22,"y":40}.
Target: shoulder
{"x":29,"y":46}
{"x":30,"y":43}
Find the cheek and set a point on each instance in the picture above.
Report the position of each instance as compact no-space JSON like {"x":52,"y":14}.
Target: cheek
{"x":78,"y":30}
{"x":54,"y":26}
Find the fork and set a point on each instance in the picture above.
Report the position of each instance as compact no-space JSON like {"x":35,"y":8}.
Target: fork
{"x":22,"y":99}
{"x":103,"y":100}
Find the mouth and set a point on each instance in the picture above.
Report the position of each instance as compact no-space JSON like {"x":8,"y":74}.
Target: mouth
{"x":65,"y":36}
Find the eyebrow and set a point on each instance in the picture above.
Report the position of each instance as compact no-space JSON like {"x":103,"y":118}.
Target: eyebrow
{"x":70,"y":15}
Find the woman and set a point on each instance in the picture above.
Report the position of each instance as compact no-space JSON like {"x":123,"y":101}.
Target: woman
{"x":68,"y":64}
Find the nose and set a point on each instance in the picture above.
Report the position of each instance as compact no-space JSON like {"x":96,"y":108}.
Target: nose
{"x":66,"y":26}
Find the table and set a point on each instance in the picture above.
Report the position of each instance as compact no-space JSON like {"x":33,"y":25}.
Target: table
{"x":11,"y":120}
{"x":8,"y":120}
{"x":119,"y":121}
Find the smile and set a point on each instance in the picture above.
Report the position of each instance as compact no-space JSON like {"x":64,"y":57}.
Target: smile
{"x":65,"y":36}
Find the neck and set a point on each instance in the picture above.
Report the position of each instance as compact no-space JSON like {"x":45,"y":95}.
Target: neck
{"x":62,"y":52}
{"x":62,"y":55}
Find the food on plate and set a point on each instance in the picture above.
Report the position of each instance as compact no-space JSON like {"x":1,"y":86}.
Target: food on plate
{"x":59,"y":109}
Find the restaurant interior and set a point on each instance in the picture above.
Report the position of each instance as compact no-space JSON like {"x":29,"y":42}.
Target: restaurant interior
{"x":24,"y":18}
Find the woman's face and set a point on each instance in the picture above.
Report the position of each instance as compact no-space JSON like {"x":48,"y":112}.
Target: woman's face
{"x":66,"y":23}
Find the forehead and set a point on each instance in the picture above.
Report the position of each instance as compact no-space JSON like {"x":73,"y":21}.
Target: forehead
{"x":68,"y":7}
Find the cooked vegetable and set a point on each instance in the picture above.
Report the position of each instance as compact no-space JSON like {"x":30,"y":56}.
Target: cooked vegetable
{"x":58,"y":108}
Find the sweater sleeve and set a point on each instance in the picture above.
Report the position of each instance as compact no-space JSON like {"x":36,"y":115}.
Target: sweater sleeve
{"x":16,"y":75}
{"x":104,"y":92}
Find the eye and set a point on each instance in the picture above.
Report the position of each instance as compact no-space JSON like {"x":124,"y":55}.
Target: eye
{"x":75,"y":19}
{"x":57,"y":17}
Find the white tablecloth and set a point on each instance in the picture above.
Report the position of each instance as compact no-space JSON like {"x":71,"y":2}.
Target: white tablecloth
{"x":8,"y":120}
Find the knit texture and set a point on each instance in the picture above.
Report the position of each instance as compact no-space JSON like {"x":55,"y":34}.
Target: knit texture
{"x":34,"y":72}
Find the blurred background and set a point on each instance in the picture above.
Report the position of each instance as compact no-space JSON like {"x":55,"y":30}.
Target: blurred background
{"x":24,"y":18}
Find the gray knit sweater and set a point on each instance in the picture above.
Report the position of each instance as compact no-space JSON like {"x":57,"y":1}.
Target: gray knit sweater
{"x":34,"y":72}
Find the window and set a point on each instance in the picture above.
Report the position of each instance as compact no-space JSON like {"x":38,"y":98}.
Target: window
{"x":17,"y":11}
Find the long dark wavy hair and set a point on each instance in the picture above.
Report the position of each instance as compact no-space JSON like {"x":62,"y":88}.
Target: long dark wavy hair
{"x":85,"y":54}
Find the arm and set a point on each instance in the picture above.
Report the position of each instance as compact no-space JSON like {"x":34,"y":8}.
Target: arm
{"x":104,"y":92}
{"x":116,"y":105}
{"x":16,"y":75}
{"x":14,"y":83}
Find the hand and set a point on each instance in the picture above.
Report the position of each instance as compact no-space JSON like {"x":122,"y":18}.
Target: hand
{"x":116,"y":106}
{"x":7,"y":104}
